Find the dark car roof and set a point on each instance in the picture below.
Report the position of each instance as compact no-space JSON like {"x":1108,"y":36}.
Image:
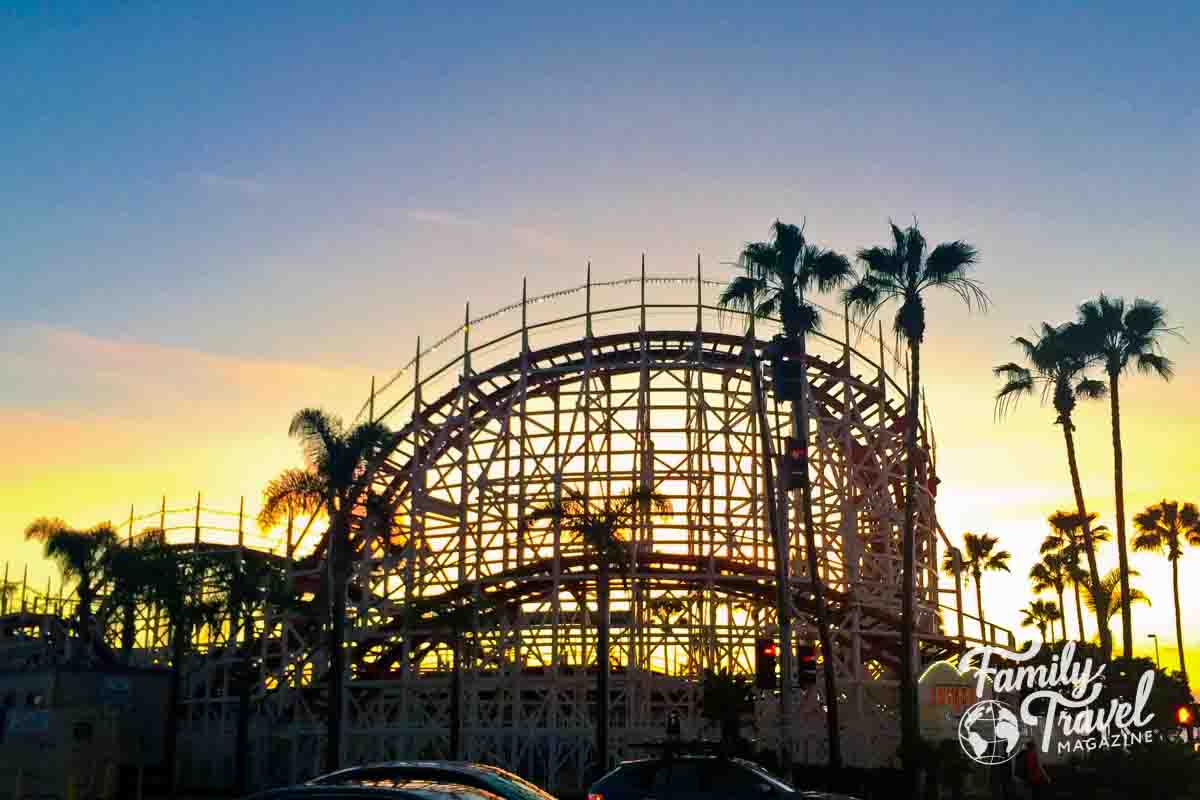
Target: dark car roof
{"x":412,"y":790}
{"x":443,"y":769}
{"x":311,"y":791}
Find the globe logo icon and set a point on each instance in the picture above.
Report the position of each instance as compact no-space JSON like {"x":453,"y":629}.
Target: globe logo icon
{"x":989,"y":732}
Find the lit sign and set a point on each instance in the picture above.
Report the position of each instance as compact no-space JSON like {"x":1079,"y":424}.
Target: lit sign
{"x":958,"y":696}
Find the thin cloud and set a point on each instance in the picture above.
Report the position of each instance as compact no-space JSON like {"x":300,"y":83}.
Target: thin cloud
{"x":234,"y":183}
{"x":524,"y":236}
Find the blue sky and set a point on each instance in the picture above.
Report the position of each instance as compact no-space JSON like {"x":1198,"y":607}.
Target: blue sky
{"x":289,"y":195}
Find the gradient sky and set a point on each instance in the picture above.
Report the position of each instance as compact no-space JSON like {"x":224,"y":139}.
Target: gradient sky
{"x":209,"y":218}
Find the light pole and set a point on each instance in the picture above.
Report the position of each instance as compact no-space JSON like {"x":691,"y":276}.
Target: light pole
{"x":1154,"y":636}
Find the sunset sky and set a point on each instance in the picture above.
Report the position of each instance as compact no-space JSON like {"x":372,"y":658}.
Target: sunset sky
{"x":209,"y":220}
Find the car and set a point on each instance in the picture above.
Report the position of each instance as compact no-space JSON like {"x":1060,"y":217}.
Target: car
{"x":399,"y":774}
{"x":696,"y":777}
{"x":415,"y":790}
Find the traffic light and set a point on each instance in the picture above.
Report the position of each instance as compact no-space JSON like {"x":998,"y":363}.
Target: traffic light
{"x":787,"y":378}
{"x":1185,"y":715}
{"x":795,"y":462}
{"x":806,"y":664}
{"x":766,"y":655}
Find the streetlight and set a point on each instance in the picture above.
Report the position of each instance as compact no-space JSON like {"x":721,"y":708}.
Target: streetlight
{"x":1154,"y":636}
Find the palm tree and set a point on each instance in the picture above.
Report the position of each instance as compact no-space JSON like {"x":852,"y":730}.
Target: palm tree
{"x":1107,"y":603}
{"x":600,"y":527}
{"x":80,"y":557}
{"x":128,"y":571}
{"x":180,"y":585}
{"x":254,"y":582}
{"x":1040,"y":614}
{"x":979,"y":555}
{"x":904,"y":273}
{"x":776,"y":277}
{"x":1065,"y":540}
{"x":1050,"y":574}
{"x":338,"y":456}
{"x":1165,"y":528}
{"x":1120,"y":338}
{"x":295,"y":493}
{"x":1057,"y":365}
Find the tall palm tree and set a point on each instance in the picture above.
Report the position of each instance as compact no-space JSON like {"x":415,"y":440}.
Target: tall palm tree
{"x":1165,"y":528}
{"x":1051,"y":575}
{"x":906,"y":274}
{"x":776,"y":277}
{"x":979,"y":555}
{"x":1107,"y":603}
{"x":1057,"y":364}
{"x":1065,"y":540}
{"x":338,"y":456}
{"x":1041,"y":614}
{"x":1121,"y":337}
{"x":80,"y":556}
{"x":601,"y":527}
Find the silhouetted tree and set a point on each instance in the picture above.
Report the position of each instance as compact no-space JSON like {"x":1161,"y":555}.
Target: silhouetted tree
{"x":979,"y":555}
{"x":1121,"y":337}
{"x":600,"y":527}
{"x":80,"y":556}
{"x":776,"y":277}
{"x":1057,"y":362}
{"x":905,"y":273}
{"x":1165,"y":528}
{"x":338,"y":456}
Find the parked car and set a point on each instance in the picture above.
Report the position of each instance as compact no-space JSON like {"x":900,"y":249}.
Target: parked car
{"x":415,"y":790}
{"x":696,"y":778}
{"x":400,"y":774}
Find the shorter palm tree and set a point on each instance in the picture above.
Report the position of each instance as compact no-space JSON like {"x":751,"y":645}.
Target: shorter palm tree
{"x":1050,"y":574}
{"x":979,"y":555}
{"x":1107,"y":604}
{"x":1165,"y":528}
{"x":1040,"y":614}
{"x":80,"y":555}
{"x":1068,"y":540}
{"x":600,"y":527}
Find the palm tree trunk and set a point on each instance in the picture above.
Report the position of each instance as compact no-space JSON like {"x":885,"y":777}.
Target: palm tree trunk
{"x":339,"y":561}
{"x":1079,"y":614}
{"x":456,"y":753}
{"x":1178,"y":620}
{"x":1062,"y":609}
{"x":171,"y":738}
{"x":128,"y":631}
{"x":909,"y":720}
{"x":1119,"y":479}
{"x":979,"y":605}
{"x":1089,"y":544}
{"x":833,"y":728}
{"x":242,"y":768}
{"x":602,"y":655}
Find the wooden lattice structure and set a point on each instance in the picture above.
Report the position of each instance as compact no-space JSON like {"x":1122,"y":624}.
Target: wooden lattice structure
{"x":637,"y":382}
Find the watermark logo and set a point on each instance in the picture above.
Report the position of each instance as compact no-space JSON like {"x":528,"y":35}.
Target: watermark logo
{"x":989,"y":731}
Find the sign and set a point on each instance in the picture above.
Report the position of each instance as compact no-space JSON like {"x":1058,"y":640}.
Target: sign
{"x":958,"y":697}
